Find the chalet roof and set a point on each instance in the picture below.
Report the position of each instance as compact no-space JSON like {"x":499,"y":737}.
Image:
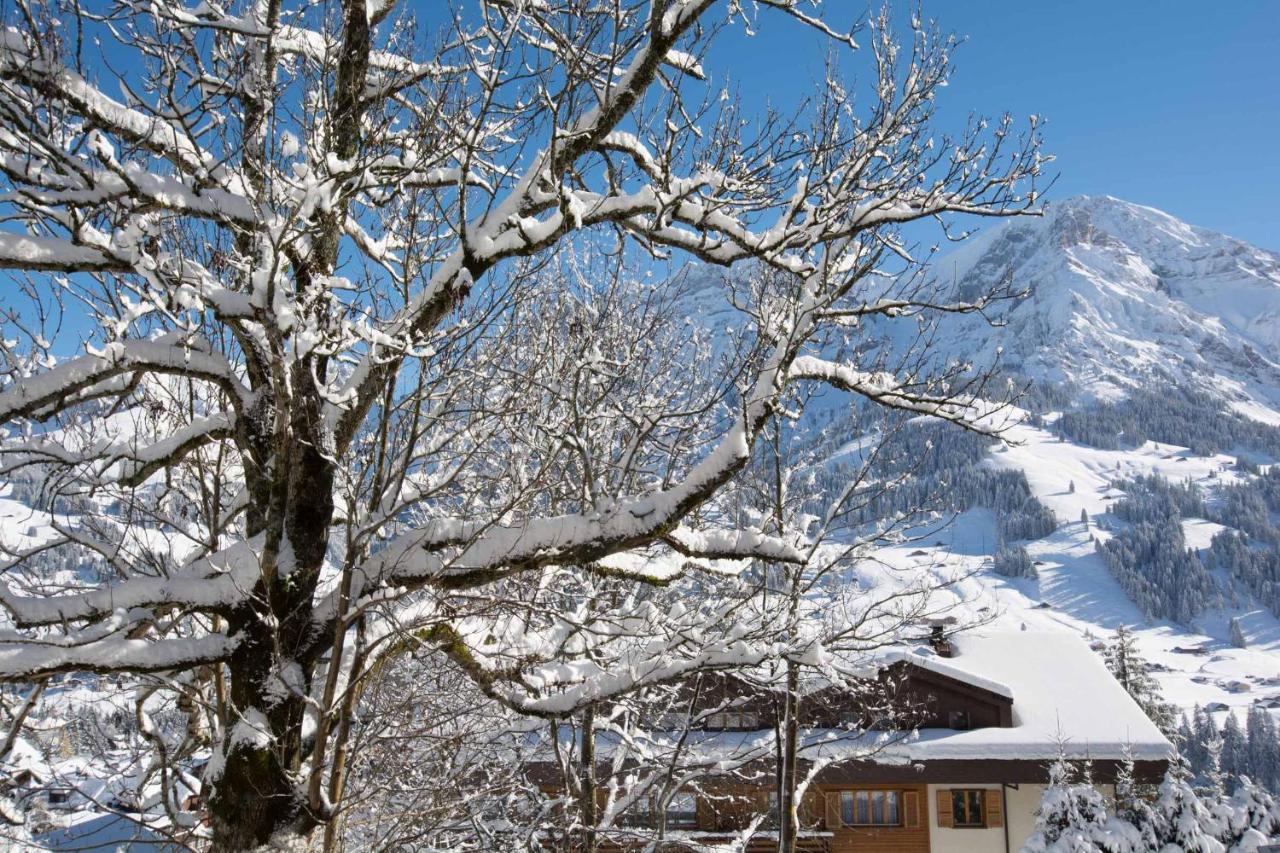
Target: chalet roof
{"x":1062,"y":696}
{"x":926,"y":658}
{"x":1062,"y":693}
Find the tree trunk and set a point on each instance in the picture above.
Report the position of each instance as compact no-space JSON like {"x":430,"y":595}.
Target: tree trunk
{"x":587,"y":798}
{"x":788,"y":808}
{"x":259,"y":794}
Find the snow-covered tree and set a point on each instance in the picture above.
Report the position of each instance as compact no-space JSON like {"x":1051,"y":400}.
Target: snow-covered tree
{"x":1183,"y":820}
{"x":1072,"y":814}
{"x":1235,"y":748}
{"x":1248,"y":818}
{"x":367,"y":356}
{"x":826,"y":614}
{"x":1237,"y":634}
{"x":1134,"y":822}
{"x":1133,"y":672}
{"x":1013,"y":562}
{"x":1264,"y":748}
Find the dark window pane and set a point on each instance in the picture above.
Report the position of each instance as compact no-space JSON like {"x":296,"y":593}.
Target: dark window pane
{"x":975,"y":807}
{"x":682,"y":810}
{"x":966,"y":806}
{"x":846,"y":807}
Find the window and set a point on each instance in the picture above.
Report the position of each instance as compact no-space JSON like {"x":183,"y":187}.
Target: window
{"x":851,"y":719}
{"x":966,"y":807}
{"x":958,"y":720}
{"x":682,"y":810}
{"x":637,"y":814}
{"x":870,"y":808}
{"x":742,"y":720}
{"x":773,"y":817}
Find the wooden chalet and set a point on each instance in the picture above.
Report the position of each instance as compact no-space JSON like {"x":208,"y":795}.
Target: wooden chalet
{"x":990,"y":713}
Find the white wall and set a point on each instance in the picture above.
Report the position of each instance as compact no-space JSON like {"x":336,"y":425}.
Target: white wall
{"x":967,"y":840}
{"x":1022,"y":803}
{"x":1019,"y":816}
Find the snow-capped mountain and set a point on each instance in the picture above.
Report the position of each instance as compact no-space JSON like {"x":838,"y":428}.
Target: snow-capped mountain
{"x":1121,"y":294}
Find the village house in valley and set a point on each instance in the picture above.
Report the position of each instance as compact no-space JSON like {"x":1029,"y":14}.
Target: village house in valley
{"x":990,"y":712}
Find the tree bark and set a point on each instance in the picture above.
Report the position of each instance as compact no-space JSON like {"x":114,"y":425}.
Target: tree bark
{"x":788,"y":808}
{"x":587,"y":797}
{"x":258,"y":793}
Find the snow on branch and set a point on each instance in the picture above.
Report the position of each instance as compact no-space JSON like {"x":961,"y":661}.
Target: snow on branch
{"x":733,"y":545}
{"x":181,"y":355}
{"x":216,"y":583}
{"x":887,"y":390}
{"x":50,"y":254}
{"x":21,"y":63}
{"x":24,"y":661}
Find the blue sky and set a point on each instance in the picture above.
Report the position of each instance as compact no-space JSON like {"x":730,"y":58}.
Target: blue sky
{"x":1173,"y":104}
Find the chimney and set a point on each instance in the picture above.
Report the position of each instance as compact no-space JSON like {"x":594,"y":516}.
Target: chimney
{"x":938,"y":640}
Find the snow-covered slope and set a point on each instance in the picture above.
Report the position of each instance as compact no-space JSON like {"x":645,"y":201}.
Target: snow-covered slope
{"x":1075,"y":592}
{"x":1122,"y":294}
{"x":1121,"y":297}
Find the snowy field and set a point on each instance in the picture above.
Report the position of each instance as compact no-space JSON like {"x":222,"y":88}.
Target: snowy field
{"x":1075,"y":591}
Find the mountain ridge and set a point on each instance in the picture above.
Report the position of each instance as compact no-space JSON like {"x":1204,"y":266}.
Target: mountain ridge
{"x":1120,"y":294}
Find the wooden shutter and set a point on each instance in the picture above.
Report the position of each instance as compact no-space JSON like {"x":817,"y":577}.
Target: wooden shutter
{"x":910,"y":810}
{"x":992,"y":809}
{"x":833,"y":811}
{"x":945,"y":815}
{"x":811,"y":806}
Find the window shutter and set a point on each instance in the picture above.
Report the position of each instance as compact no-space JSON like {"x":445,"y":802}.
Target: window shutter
{"x":910,"y":810}
{"x":833,"y":811}
{"x":945,"y":816}
{"x":992,"y":809}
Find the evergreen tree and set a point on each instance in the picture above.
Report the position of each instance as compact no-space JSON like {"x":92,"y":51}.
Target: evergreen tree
{"x":1013,"y":562}
{"x":1263,"y":748}
{"x":1184,"y":737}
{"x":1133,"y":672}
{"x":1072,"y":815}
{"x":1248,"y":819}
{"x":1135,"y":820}
{"x":1183,"y":822}
{"x":1203,"y":730}
{"x":1261,"y":809}
{"x":1235,"y":749}
{"x":1214,"y":783}
{"x":1237,"y":634}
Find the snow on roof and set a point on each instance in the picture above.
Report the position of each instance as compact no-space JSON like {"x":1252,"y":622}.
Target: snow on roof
{"x":1061,"y":691}
{"x":25,"y":757}
{"x":926,"y":658}
{"x":1063,"y":698}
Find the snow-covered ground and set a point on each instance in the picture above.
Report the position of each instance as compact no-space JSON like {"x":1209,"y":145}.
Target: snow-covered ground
{"x":1075,"y":591}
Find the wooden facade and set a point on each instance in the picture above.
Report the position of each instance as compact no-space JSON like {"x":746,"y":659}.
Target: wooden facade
{"x":915,"y":697}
